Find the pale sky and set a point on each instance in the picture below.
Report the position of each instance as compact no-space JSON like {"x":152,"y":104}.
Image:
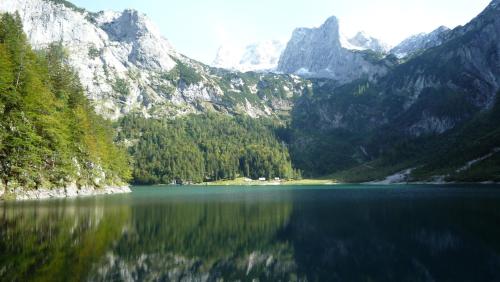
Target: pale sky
{"x":197,"y":28}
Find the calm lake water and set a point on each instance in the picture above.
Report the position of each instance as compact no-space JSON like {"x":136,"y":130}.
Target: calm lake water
{"x":339,"y":233}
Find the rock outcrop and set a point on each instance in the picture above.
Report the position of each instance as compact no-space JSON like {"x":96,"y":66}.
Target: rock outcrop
{"x":68,"y":192}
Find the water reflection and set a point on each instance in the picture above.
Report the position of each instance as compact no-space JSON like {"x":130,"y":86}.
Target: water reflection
{"x":266,"y":234}
{"x":56,"y":242}
{"x":413,"y":235}
{"x":201,"y":241}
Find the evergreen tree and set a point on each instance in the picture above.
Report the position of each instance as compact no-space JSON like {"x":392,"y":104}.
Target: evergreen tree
{"x":205,"y":147}
{"x":49,"y":133}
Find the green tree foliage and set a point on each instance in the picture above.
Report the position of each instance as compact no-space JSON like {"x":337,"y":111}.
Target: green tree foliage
{"x":65,"y":245}
{"x":182,"y":73}
{"x":49,"y":132}
{"x":199,"y":148}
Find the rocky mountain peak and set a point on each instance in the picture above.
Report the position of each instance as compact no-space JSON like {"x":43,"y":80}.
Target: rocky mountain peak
{"x":495,"y":3}
{"x":127,"y":26}
{"x":441,"y":29}
{"x":363,"y":41}
{"x":327,"y":32}
{"x":361,"y":37}
{"x":259,"y":57}
{"x":319,"y":52}
{"x":149,"y":48}
{"x":421,"y":42}
{"x":331,"y":25}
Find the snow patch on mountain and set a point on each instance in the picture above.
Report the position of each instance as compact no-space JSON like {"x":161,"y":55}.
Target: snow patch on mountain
{"x":363,"y":41}
{"x":262,"y":56}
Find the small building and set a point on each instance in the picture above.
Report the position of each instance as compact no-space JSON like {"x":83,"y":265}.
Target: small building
{"x":277,"y":179}
{"x":262,"y":179}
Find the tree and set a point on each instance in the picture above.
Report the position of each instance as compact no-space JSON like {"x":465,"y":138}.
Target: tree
{"x":49,"y":132}
{"x":206,"y":147}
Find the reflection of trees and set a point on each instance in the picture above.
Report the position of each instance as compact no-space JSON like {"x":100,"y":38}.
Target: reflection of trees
{"x":203,"y":239}
{"x":56,"y":242}
{"x":207,"y":229}
{"x":96,"y":240}
{"x":322,"y":236}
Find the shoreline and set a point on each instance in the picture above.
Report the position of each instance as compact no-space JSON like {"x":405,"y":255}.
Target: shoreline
{"x":62,"y":193}
{"x":329,"y":182}
{"x":247,"y":182}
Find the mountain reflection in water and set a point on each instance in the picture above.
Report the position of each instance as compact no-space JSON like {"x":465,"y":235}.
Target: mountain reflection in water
{"x":340,"y":233}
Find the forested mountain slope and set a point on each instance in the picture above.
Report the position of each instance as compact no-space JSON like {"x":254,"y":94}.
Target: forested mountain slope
{"x":50,"y":136}
{"x":198,"y":148}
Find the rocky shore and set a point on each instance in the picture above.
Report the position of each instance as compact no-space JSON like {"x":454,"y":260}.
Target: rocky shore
{"x":67,"y":192}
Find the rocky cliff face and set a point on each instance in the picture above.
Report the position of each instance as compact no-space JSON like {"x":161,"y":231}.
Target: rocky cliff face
{"x":126,"y":65}
{"x":466,"y":63}
{"x":102,"y":57}
{"x":318,"y":53}
{"x":420,"y":42}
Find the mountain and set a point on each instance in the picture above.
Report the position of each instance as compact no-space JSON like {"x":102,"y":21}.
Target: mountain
{"x":357,"y":114}
{"x":420,"y":112}
{"x":127,"y":66}
{"x":264,"y":56}
{"x":363,"y":41}
{"x":318,"y":53}
{"x":420,"y":42}
{"x":258,"y":57}
{"x":121,"y":63}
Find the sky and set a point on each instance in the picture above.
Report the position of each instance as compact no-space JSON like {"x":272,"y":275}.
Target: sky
{"x":197,"y":28}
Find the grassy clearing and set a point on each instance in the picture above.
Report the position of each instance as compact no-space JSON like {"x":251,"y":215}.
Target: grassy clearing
{"x":247,"y":182}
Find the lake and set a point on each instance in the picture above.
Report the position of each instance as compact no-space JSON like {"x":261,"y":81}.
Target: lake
{"x":308,"y":233}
